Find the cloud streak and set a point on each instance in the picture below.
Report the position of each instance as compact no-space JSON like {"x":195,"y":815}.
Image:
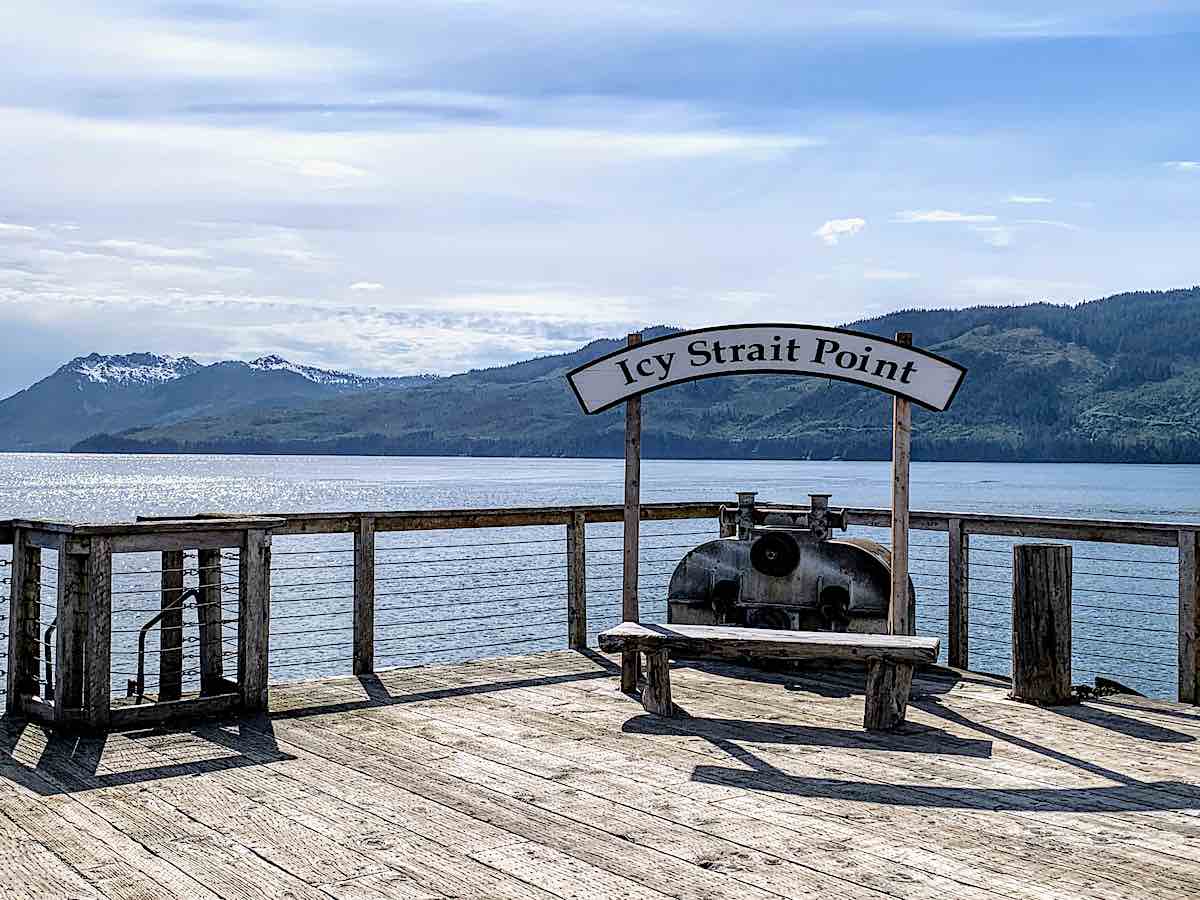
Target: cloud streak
{"x":910,"y":216}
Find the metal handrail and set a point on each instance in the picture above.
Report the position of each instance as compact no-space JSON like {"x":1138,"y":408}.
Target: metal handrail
{"x":137,"y":687}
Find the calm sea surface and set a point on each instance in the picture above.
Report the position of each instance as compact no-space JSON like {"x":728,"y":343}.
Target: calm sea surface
{"x":456,"y":595}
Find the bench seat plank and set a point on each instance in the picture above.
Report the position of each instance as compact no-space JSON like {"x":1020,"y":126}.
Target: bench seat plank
{"x":732,"y":641}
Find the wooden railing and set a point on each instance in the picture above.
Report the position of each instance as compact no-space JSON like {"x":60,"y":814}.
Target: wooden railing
{"x":79,"y":690}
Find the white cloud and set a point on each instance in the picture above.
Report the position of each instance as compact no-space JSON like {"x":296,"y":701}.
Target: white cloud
{"x":940,"y":215}
{"x":835,"y":229}
{"x":888,"y":275}
{"x":1183,"y":165}
{"x":20,"y":232}
{"x":151,"y":251}
{"x":996,"y":235}
{"x":1028,"y":199}
{"x":366,"y":286}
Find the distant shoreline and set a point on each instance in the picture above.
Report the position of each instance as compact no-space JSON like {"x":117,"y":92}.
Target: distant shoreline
{"x":300,"y":452}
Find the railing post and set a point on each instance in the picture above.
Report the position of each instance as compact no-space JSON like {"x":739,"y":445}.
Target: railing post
{"x":24,"y":622}
{"x":577,"y":582}
{"x":98,"y":652}
{"x":71,"y":632}
{"x":364,"y":596}
{"x":170,"y":627}
{"x":210,"y":613}
{"x":1189,"y":616}
{"x":958,"y":578}
{"x":1041,"y":629}
{"x":254,"y":618}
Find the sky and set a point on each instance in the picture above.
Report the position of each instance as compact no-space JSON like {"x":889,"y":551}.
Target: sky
{"x":437,"y":185}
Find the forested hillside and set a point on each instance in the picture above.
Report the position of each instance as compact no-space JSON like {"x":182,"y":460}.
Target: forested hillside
{"x":1114,"y":379}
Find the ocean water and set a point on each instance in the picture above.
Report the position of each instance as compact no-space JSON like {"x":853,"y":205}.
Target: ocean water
{"x":445,"y":596}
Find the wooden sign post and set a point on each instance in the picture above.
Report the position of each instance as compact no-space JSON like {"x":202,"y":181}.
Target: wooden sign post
{"x":901,"y":457}
{"x":633,"y":519}
{"x":893,"y":366}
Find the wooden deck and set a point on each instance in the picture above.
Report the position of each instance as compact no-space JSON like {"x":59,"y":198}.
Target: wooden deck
{"x":532,"y":777}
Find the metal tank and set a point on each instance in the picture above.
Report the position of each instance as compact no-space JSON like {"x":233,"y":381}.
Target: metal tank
{"x":794,"y":576}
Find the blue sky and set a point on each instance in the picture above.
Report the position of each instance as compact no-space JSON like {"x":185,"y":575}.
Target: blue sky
{"x":440,"y":184}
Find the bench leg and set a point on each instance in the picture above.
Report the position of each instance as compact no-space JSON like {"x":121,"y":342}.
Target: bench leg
{"x":631,"y":670}
{"x":656,"y":693}
{"x":888,"y":687}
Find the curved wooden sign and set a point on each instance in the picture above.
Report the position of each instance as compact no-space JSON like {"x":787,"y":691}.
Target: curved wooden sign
{"x":917,"y":375}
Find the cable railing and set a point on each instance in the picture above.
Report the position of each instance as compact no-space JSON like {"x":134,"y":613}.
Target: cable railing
{"x":206,"y":612}
{"x":1124,"y":612}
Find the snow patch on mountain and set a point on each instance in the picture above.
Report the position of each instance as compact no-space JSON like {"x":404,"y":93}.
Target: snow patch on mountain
{"x":132,"y":368}
{"x":317,"y":376}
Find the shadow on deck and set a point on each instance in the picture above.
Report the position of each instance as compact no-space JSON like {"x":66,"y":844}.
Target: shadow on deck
{"x":513,"y":749}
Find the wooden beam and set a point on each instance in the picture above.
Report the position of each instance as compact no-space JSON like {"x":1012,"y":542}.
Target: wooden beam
{"x":98,"y":652}
{"x":254,"y":619}
{"x":633,"y":517}
{"x":900,"y":622}
{"x":364,"y":596}
{"x":24,"y":622}
{"x":577,"y":582}
{"x":174,"y":711}
{"x":450,"y":519}
{"x":958,"y":578}
{"x":1189,"y":616}
{"x":1041,"y":629}
{"x":170,"y":627}
{"x":210,"y":614}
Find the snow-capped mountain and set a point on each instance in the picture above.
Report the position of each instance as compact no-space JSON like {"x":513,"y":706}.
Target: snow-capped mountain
{"x":317,"y":376}
{"x":131,"y":368}
{"x":99,"y":393}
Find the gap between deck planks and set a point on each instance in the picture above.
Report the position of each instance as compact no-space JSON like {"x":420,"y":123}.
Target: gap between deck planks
{"x":525,"y":670}
{"x":535,"y":791}
{"x":1102,"y":862}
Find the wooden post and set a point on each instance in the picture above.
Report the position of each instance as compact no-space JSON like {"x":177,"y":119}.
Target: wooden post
{"x":958,"y":578}
{"x":170,"y":627}
{"x":210,"y":614}
{"x":254,"y":619}
{"x":364,"y":596}
{"x":70,"y":633}
{"x":24,"y":622}
{"x":889,"y":684}
{"x":577,"y":582}
{"x":1041,"y":623}
{"x":1189,"y":616}
{"x":656,"y":695}
{"x":900,"y":620}
{"x":633,"y":520}
{"x":98,"y":654}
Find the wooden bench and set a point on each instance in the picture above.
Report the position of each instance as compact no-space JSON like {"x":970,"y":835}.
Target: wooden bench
{"x":890,"y":658}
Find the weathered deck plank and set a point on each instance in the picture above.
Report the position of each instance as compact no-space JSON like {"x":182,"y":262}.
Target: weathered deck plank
{"x":534,"y":778}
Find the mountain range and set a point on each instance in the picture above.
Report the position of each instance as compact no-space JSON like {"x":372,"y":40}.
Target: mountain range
{"x":95,"y":394}
{"x":1116,"y":379}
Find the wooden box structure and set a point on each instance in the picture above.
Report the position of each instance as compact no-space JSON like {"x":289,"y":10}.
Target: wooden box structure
{"x":60,"y":661}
